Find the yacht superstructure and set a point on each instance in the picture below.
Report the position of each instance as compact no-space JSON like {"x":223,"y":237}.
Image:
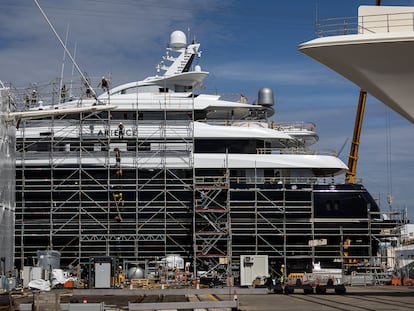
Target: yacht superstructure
{"x":373,"y":50}
{"x":170,"y":171}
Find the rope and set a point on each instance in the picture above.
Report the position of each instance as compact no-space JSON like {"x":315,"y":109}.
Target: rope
{"x":388,"y":157}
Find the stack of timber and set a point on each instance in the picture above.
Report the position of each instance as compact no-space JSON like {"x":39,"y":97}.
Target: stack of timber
{"x":46,"y":301}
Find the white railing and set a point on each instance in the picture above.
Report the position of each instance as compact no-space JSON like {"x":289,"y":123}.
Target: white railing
{"x":379,"y":23}
{"x":296,"y":150}
{"x":294,"y":126}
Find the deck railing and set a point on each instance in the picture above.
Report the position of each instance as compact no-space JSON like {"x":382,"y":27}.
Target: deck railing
{"x":379,"y":23}
{"x":296,"y":150}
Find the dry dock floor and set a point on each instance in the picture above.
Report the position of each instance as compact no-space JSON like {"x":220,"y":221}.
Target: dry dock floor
{"x":356,"y":298}
{"x":375,"y":298}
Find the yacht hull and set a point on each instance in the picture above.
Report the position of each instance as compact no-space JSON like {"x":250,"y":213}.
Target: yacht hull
{"x":266,"y":216}
{"x":376,"y":56}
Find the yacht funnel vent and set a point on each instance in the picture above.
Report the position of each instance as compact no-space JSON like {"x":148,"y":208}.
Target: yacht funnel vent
{"x":178,"y":40}
{"x":265,"y":97}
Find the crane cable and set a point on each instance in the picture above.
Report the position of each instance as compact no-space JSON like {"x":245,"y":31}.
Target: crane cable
{"x":388,"y":149}
{"x":65,"y":48}
{"x":388,"y":158}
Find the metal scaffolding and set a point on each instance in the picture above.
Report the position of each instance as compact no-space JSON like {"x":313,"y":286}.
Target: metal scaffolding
{"x":7,"y":180}
{"x":96,"y":205}
{"x":88,"y":186}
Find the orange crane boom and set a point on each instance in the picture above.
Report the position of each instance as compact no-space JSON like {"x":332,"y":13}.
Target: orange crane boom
{"x":353,"y":155}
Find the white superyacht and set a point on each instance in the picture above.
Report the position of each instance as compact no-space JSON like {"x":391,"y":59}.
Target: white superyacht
{"x":173,"y":171}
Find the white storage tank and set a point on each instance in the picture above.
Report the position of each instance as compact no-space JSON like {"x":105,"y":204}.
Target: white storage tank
{"x":135,"y":273}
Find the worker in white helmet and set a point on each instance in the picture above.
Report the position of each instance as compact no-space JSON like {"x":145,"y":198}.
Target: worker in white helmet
{"x":104,"y":83}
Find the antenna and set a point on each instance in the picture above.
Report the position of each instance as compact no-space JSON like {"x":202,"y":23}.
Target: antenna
{"x":342,"y":148}
{"x":73,"y":69}
{"x":63,"y":64}
{"x":316,"y":17}
{"x":66,"y":49}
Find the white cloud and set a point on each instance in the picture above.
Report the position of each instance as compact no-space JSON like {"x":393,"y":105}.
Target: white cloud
{"x":296,"y":74}
{"x":111,"y":36}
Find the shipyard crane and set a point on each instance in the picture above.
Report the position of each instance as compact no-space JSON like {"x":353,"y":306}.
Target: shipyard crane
{"x":353,"y":155}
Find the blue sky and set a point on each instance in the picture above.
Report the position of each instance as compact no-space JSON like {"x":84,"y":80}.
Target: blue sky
{"x":246,"y":45}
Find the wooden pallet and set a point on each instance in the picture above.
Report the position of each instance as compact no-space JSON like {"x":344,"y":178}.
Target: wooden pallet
{"x":139,"y":283}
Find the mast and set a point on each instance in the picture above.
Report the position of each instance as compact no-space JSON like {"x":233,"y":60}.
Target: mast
{"x":65,"y":48}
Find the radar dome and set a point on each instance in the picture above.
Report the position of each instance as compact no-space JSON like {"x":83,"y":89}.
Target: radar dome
{"x":178,"y":39}
{"x":265,"y":97}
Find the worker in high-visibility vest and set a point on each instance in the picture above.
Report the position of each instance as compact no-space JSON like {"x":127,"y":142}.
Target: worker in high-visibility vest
{"x":282,"y":274}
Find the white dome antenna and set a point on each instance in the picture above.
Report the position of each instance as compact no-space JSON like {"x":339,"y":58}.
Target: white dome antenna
{"x":178,"y":40}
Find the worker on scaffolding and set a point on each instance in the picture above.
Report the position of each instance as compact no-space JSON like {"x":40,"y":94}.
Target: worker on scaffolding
{"x":26,"y":101}
{"x":121,"y":131}
{"x":34,"y":97}
{"x":104,"y":83}
{"x":117,"y":157}
{"x":63,"y":92}
{"x":119,"y":204}
{"x":203,"y":198}
{"x":119,"y":172}
{"x":88,"y":91}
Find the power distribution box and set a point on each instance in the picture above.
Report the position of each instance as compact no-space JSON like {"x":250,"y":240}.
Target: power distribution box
{"x":102,"y":275}
{"x":253,"y":267}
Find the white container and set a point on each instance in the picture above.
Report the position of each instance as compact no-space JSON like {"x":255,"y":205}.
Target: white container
{"x":26,"y":275}
{"x":253,"y":267}
{"x":36,"y":273}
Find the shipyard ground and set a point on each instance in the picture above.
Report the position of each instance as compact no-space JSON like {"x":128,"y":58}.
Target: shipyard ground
{"x":356,"y":298}
{"x":372,"y":298}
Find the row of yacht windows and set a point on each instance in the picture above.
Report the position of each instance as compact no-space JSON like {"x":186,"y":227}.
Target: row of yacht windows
{"x":201,"y":146}
{"x":133,"y":115}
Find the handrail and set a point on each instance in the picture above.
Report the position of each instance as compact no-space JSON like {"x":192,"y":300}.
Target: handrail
{"x":280,"y":126}
{"x":296,"y":126}
{"x":295,"y":150}
{"x":377,"y":23}
{"x":336,"y":26}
